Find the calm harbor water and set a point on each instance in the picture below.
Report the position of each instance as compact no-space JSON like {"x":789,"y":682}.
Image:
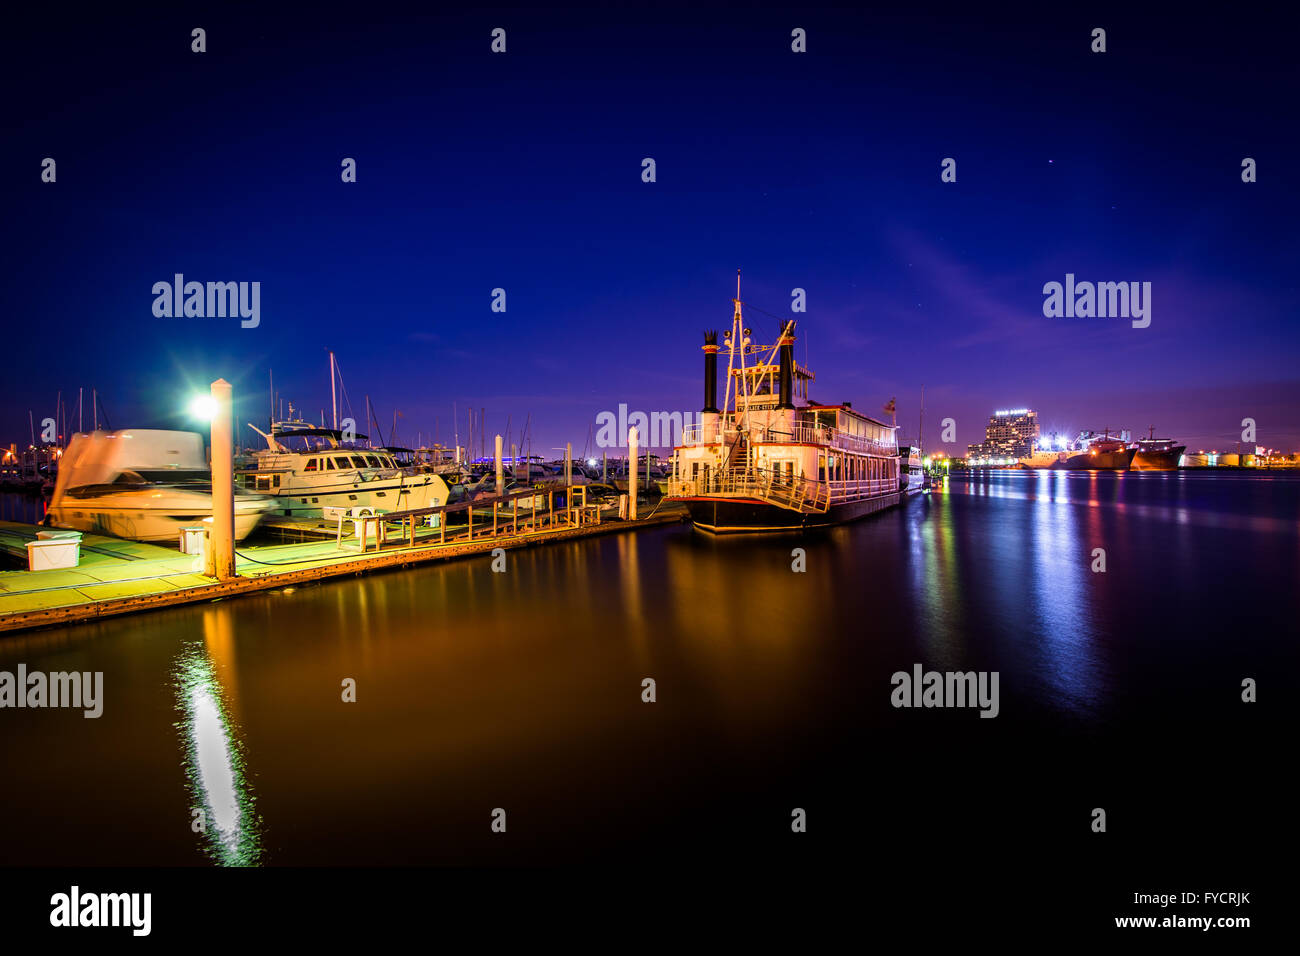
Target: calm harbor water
{"x":477,"y":690}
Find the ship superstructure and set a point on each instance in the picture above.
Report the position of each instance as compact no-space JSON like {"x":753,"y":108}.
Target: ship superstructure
{"x":771,"y":459}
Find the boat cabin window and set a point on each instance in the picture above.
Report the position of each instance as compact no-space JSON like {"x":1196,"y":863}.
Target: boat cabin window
{"x":373,"y":462}
{"x":329,"y":463}
{"x":358,"y":461}
{"x":341,"y":461}
{"x":310,"y":466}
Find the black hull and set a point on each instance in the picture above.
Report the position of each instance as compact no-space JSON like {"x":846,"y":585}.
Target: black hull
{"x":1105,"y":461}
{"x":1158,"y":460}
{"x":748,"y":515}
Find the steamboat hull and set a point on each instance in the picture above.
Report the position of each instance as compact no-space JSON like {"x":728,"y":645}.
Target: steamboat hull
{"x":1158,"y":460}
{"x":750,"y":515}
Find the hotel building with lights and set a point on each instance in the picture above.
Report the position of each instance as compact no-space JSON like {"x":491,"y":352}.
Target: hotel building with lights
{"x":1010,"y":434}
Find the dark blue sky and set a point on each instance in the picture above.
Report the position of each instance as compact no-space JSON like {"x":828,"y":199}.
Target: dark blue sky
{"x":522,"y":171}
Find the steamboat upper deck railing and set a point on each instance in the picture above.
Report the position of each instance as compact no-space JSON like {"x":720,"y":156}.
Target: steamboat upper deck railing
{"x":699,"y":433}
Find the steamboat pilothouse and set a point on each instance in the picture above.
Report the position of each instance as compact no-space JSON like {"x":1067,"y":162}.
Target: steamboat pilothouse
{"x":771,"y":459}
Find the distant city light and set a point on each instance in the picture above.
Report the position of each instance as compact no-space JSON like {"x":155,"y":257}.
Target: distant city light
{"x":1012,"y":411}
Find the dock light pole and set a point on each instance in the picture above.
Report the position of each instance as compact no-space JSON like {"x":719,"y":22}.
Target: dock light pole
{"x":568,"y":463}
{"x":223,"y":481}
{"x":501,"y":474}
{"x":631,"y":473}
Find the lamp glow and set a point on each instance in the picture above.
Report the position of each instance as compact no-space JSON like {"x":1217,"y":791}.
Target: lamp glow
{"x":203,"y":406}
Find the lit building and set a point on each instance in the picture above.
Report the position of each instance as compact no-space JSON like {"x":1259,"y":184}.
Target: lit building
{"x":1009,"y":435}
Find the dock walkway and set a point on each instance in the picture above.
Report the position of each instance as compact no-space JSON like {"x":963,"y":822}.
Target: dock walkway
{"x":120,"y":577}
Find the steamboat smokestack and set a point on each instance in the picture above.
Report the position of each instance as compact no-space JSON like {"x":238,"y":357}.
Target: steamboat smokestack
{"x":710,"y":372}
{"x":787,"y":367}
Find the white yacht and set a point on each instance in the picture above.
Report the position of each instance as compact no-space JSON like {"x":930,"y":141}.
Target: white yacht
{"x":307,"y":469}
{"x":143,"y":484}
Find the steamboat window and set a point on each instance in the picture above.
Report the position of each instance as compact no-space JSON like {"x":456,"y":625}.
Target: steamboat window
{"x":275,"y":482}
{"x":310,"y":466}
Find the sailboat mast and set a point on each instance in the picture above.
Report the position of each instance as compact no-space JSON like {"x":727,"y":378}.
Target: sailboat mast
{"x":334,"y":399}
{"x":920,"y":428}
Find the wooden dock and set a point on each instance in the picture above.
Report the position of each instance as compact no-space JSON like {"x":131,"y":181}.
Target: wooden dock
{"x":121,"y":577}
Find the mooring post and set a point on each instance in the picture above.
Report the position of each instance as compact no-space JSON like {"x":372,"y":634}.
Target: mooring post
{"x":631,"y":473}
{"x":501,"y":475}
{"x":223,"y":481}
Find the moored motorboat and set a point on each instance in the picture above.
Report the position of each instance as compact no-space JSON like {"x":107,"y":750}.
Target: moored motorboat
{"x":141,"y":484}
{"x":911,"y":475}
{"x":307,"y":469}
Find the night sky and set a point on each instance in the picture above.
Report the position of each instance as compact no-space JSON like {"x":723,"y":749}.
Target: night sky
{"x":523,"y":171}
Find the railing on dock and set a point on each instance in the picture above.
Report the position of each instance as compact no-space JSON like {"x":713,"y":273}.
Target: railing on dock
{"x":575,"y":512}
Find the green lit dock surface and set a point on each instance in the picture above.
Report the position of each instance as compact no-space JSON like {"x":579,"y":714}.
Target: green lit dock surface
{"x":120,"y":577}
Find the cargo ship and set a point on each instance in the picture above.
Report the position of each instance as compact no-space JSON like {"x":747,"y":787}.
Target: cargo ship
{"x":1043,"y":458}
{"x":1157,"y":454}
{"x":1102,"y":454}
{"x":772,"y":459}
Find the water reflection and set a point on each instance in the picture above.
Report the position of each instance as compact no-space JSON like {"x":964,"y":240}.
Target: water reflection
{"x":1061,"y":556}
{"x":213,"y":762}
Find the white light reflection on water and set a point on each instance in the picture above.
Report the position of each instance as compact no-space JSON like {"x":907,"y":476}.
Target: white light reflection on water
{"x":214,"y":765}
{"x":1060,"y":560}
